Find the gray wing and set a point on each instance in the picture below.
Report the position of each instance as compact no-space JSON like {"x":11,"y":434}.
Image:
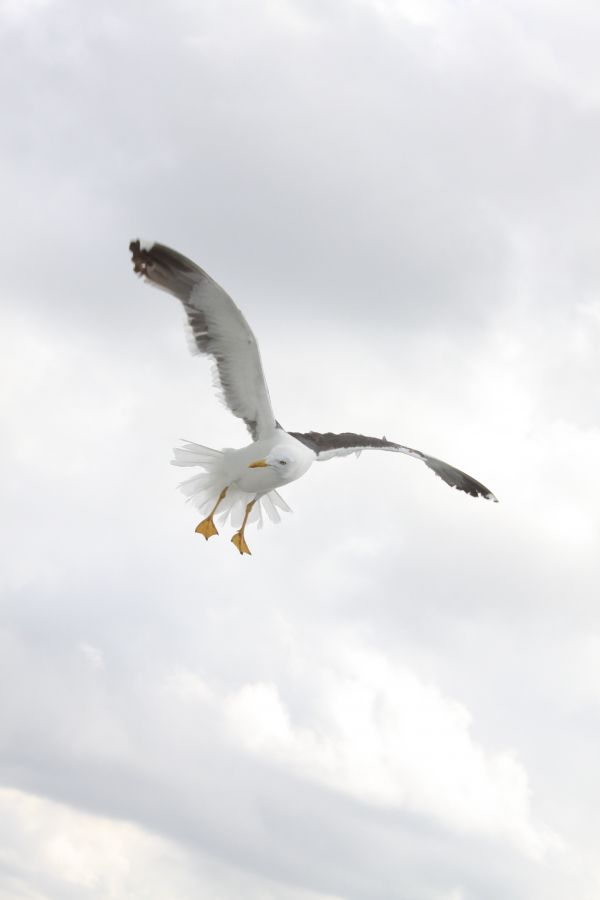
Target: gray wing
{"x":218,"y":328}
{"x":326,"y":446}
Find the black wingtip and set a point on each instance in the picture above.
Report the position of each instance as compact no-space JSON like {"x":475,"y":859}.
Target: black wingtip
{"x":472,"y":488}
{"x":139,"y":257}
{"x":478,"y":492}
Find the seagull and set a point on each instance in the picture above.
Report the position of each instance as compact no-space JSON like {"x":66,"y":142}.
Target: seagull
{"x":242,"y":483}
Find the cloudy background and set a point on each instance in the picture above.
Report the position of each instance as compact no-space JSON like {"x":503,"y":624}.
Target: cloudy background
{"x":398,"y":695}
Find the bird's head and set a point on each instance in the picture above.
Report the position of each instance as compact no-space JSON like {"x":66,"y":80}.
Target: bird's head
{"x":280,"y":458}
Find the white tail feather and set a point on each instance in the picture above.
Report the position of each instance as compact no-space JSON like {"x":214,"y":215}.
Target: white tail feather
{"x":279,"y":501}
{"x":191,"y":454}
{"x":271,"y":510}
{"x":203,"y":490}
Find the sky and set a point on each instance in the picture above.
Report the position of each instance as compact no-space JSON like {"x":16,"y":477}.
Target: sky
{"x":397,"y":697}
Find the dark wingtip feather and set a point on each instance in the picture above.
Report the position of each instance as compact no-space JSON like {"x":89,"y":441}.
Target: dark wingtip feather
{"x":457,"y":479}
{"x":139,"y":257}
{"x":348,"y":441}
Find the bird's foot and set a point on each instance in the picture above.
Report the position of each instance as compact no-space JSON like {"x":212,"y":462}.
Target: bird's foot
{"x":240,"y":542}
{"x":207,"y":527}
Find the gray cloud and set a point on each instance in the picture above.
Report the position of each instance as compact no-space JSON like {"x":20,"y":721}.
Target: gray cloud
{"x":402,"y":198}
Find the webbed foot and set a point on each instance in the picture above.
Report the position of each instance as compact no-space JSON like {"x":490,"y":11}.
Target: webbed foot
{"x":240,"y":542}
{"x":207,"y":527}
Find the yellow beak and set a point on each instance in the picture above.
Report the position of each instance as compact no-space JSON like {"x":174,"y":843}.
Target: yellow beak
{"x":259,"y":464}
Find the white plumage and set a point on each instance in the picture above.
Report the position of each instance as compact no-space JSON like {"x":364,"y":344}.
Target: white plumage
{"x":231,"y":467}
{"x":242,"y":484}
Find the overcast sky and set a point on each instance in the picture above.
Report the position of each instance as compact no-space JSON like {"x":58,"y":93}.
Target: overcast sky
{"x":397,"y":697}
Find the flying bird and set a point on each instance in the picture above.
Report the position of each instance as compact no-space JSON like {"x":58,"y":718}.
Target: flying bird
{"x":242,"y":483}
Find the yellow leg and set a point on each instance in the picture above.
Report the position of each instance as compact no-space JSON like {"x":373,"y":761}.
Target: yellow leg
{"x":207,"y":527}
{"x":238,"y":538}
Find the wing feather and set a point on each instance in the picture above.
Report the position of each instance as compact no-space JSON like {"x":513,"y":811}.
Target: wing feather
{"x":218,"y":329}
{"x":326,"y":446}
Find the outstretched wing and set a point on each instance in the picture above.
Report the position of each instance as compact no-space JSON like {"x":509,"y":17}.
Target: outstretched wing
{"x":326,"y":446}
{"x":218,"y":328}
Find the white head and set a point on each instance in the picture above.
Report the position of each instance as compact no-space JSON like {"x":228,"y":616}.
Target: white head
{"x":282,"y":459}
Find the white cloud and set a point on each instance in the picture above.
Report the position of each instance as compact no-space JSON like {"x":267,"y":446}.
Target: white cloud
{"x":51,"y":850}
{"x":93,"y":655}
{"x":397,"y":694}
{"x":381,"y":735}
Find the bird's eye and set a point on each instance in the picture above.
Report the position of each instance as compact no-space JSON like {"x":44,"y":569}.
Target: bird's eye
{"x":283,"y":462}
